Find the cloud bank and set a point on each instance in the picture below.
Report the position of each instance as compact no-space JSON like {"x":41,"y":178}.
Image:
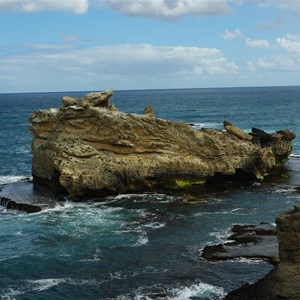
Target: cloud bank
{"x":165,"y":9}
{"x":169,"y":8}
{"x":31,"y":6}
{"x":121,"y":65}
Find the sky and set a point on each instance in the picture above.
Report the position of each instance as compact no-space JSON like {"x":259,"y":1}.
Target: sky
{"x":89,"y":45}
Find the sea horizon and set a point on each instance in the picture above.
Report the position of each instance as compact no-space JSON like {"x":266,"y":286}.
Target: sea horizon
{"x":155,"y":89}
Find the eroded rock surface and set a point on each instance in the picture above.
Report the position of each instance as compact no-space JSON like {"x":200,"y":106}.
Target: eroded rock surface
{"x":282,"y":282}
{"x":87,"y":147}
{"x":247,"y":241}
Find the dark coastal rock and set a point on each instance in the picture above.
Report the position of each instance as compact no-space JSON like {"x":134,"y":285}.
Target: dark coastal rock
{"x":247,"y":241}
{"x":10,"y":204}
{"x":287,"y":134}
{"x":87,"y":148}
{"x":282,"y":282}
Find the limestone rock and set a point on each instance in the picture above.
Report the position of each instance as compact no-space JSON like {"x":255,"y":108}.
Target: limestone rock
{"x":234,"y":130}
{"x":283,"y":281}
{"x":89,"y":148}
{"x":149,"y":111}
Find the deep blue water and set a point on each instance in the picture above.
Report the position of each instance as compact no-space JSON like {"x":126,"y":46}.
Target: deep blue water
{"x":139,"y":245}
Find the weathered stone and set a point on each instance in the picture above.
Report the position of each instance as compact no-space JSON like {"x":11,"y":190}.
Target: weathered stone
{"x":283,"y":281}
{"x":234,"y":130}
{"x":287,"y":134}
{"x":149,"y":110}
{"x":91,"y":149}
{"x":70,"y":101}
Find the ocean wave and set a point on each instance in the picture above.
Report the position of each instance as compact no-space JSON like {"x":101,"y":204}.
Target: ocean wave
{"x":287,"y":190}
{"x":178,"y":292}
{"x":11,"y":179}
{"x":221,"y":235}
{"x":201,"y":125}
{"x":40,"y":285}
{"x":142,"y":240}
{"x":294,"y":155}
{"x":141,"y":198}
{"x":245,"y":260}
{"x":200,"y":289}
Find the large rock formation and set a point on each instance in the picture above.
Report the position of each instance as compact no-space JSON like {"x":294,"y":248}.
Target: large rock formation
{"x":283,"y":281}
{"x":87,"y":147}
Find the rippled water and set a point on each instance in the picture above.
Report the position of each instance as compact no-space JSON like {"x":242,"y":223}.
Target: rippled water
{"x":138,"y":246}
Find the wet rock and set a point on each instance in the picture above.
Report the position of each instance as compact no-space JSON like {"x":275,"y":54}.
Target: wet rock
{"x":282,"y":282}
{"x":247,"y":241}
{"x":10,"y":204}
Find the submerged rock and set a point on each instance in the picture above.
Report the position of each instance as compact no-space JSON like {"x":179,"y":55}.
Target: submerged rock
{"x":283,"y":281}
{"x":87,"y":147}
{"x":247,"y":241}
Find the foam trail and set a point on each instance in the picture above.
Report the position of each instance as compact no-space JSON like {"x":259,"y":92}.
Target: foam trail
{"x":11,"y":179}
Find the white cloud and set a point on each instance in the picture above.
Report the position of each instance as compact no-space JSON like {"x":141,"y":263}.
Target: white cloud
{"x":257,"y":43}
{"x":169,"y":8}
{"x":30,"y":6}
{"x":117,"y":66}
{"x":290,"y":43}
{"x":232,"y":35}
{"x":282,"y":63}
{"x":293,"y":5}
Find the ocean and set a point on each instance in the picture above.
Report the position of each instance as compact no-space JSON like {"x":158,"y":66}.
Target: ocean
{"x":139,"y":246}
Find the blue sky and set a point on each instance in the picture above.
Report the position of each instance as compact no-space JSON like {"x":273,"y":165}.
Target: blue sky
{"x":70,"y":45}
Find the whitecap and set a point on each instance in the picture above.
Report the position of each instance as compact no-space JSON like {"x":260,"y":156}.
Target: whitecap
{"x":45,"y":284}
{"x":294,"y":155}
{"x":11,"y":294}
{"x":199,"y":289}
{"x":288,"y":190}
{"x":155,"y":225}
{"x":11,"y":179}
{"x":142,"y":240}
{"x":222,"y":235}
{"x":245,"y":260}
{"x":200,"y":125}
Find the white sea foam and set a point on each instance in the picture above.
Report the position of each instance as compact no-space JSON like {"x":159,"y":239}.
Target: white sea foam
{"x":221,"y":235}
{"x":287,"y":190}
{"x":142,"y":240}
{"x":200,"y":125}
{"x":155,"y":225}
{"x":294,"y":155}
{"x":45,"y":284}
{"x":11,"y":179}
{"x":11,"y":294}
{"x":245,"y":260}
{"x":199,"y":289}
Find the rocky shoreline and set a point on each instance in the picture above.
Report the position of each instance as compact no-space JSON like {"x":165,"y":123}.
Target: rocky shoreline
{"x":282,"y":282}
{"x":247,"y":241}
{"x":88,"y":148}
